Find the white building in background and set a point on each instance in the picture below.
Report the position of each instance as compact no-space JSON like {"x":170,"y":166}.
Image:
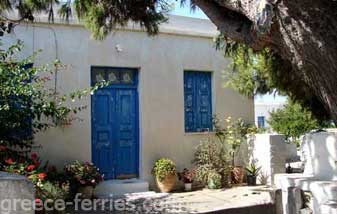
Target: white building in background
{"x":262,"y":112}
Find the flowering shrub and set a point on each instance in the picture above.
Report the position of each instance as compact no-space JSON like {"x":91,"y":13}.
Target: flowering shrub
{"x":212,"y":156}
{"x":83,"y":174}
{"x":43,"y":177}
{"x":186,"y":176}
{"x":29,"y":167}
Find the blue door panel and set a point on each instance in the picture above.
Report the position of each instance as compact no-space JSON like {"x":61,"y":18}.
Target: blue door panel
{"x":127,"y":152}
{"x":115,"y":131}
{"x":102,"y":131}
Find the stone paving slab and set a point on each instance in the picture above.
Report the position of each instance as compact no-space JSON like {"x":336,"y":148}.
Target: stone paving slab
{"x":238,"y":200}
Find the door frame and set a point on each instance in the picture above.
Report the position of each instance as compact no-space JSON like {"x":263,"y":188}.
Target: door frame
{"x":134,"y":86}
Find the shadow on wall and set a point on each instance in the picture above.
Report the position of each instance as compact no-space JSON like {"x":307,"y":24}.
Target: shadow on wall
{"x":320,"y":155}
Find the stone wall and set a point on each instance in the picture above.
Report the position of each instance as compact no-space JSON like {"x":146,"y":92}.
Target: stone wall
{"x":16,"y":194}
{"x":270,"y":152}
{"x":319,"y":179}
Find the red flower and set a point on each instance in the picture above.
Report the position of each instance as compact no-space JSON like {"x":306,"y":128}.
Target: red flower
{"x":9,"y":161}
{"x":31,"y":167}
{"x":41,"y":175}
{"x":38,"y":203}
{"x":34,"y":156}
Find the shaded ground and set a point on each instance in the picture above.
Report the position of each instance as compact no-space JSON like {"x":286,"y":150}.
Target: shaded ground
{"x":238,"y":200}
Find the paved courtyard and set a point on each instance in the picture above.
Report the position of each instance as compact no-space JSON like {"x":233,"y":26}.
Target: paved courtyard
{"x":238,"y":200}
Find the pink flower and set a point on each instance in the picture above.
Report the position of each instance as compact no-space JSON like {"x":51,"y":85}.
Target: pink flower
{"x":9,"y":161}
{"x":41,"y":175}
{"x":31,"y":167}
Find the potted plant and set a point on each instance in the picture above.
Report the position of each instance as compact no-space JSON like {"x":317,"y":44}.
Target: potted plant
{"x":83,"y":176}
{"x":187,"y":177}
{"x":252,"y":172}
{"x":165,"y":172}
{"x":234,"y":134}
{"x":214,"y":180}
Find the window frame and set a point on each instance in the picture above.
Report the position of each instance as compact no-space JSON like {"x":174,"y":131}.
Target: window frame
{"x":120,"y":84}
{"x":263,"y":121}
{"x":197,"y":130}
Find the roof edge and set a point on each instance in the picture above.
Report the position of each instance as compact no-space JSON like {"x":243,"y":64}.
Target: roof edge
{"x":176,"y":25}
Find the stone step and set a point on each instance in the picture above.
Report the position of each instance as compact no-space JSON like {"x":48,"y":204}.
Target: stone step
{"x":118,"y":188}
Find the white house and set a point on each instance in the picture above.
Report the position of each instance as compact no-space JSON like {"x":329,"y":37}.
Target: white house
{"x":164,"y":92}
{"x":262,"y":112}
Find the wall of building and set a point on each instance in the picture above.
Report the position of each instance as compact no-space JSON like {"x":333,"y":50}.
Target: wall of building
{"x":161,"y":61}
{"x":264,"y":109}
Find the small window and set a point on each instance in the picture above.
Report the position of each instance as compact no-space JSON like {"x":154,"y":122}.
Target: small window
{"x":112,"y":75}
{"x":261,"y":122}
{"x":197,"y":101}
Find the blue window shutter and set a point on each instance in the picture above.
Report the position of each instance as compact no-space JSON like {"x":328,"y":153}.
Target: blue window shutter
{"x":189,"y":101}
{"x":198,"y":101}
{"x":204,"y":99}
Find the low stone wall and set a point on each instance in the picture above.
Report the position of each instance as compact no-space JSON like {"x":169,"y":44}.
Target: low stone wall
{"x":319,"y":178}
{"x":270,"y":152}
{"x":16,"y":194}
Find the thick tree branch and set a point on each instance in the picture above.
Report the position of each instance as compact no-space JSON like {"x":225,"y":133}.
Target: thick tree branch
{"x":236,"y":26}
{"x":233,"y":24}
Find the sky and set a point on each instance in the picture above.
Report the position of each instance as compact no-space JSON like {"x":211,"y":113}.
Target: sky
{"x":185,"y":11}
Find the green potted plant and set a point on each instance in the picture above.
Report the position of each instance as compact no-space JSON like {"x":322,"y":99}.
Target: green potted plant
{"x":252,"y":173}
{"x":187,"y":176}
{"x":234,"y":134}
{"x":214,"y":180}
{"x":212,"y":156}
{"x":83,"y":176}
{"x":165,"y":173}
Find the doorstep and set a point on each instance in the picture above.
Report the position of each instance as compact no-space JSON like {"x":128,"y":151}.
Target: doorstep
{"x":120,"y":187}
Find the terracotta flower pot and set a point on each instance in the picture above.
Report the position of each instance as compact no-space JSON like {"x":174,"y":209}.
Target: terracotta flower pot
{"x":167,"y":184}
{"x":87,"y":192}
{"x":237,"y":175}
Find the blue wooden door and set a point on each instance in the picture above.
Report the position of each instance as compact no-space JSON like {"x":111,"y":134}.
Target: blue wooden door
{"x":115,"y":126}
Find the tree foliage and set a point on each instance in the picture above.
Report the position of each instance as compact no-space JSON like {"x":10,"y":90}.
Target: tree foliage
{"x":287,"y":45}
{"x":99,"y":16}
{"x":261,"y":72}
{"x":292,"y":121}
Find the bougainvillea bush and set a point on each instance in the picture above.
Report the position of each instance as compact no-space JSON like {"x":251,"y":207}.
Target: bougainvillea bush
{"x":83,"y":173}
{"x":29,"y":105}
{"x":48,"y":183}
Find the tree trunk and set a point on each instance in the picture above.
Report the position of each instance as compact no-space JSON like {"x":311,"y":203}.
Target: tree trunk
{"x":303,"y":32}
